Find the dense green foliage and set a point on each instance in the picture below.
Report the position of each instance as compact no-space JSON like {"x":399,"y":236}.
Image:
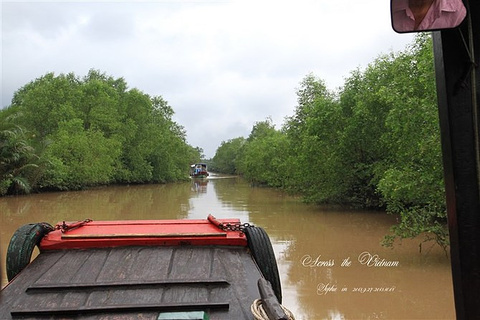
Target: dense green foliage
{"x":374,"y":144}
{"x":65,"y":133}
{"x":261,"y":160}
{"x":226,"y":155}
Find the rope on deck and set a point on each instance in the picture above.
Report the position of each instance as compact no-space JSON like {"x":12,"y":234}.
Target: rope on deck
{"x":260,"y":314}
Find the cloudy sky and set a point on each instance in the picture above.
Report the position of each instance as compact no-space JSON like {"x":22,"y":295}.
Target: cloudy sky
{"x":221,"y":65}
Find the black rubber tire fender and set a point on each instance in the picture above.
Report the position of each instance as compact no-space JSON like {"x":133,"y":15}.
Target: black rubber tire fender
{"x":22,"y":244}
{"x":262,"y":251}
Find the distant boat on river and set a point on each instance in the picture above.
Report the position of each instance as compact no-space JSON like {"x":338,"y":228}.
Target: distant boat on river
{"x":199,"y":170}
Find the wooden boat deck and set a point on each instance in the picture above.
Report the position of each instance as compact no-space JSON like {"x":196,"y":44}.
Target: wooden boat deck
{"x":134,"y":282}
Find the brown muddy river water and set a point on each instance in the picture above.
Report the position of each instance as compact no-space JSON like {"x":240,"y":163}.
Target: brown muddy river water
{"x":326,"y":257}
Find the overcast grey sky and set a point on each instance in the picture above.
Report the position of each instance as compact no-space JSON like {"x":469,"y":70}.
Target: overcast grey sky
{"x":221,"y":65}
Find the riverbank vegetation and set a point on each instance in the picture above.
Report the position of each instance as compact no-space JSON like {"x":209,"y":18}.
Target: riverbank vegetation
{"x":65,"y":133}
{"x":374,"y":144}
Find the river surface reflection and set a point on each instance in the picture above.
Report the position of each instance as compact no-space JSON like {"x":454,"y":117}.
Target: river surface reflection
{"x":331,"y":263}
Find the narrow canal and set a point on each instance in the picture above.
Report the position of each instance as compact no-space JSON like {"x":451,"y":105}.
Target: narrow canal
{"x":331,"y":263}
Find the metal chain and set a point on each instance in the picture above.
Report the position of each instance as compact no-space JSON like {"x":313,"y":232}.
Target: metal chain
{"x":235,"y":227}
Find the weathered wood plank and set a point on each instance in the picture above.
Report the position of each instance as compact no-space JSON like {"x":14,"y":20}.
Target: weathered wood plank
{"x":242,"y":271}
{"x":270,"y":302}
{"x":150,"y":263}
{"x":123,"y":284}
{"x":118,"y":309}
{"x":191,"y":261}
{"x":143,"y":235}
{"x":57,"y":273}
{"x":134,"y":277}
